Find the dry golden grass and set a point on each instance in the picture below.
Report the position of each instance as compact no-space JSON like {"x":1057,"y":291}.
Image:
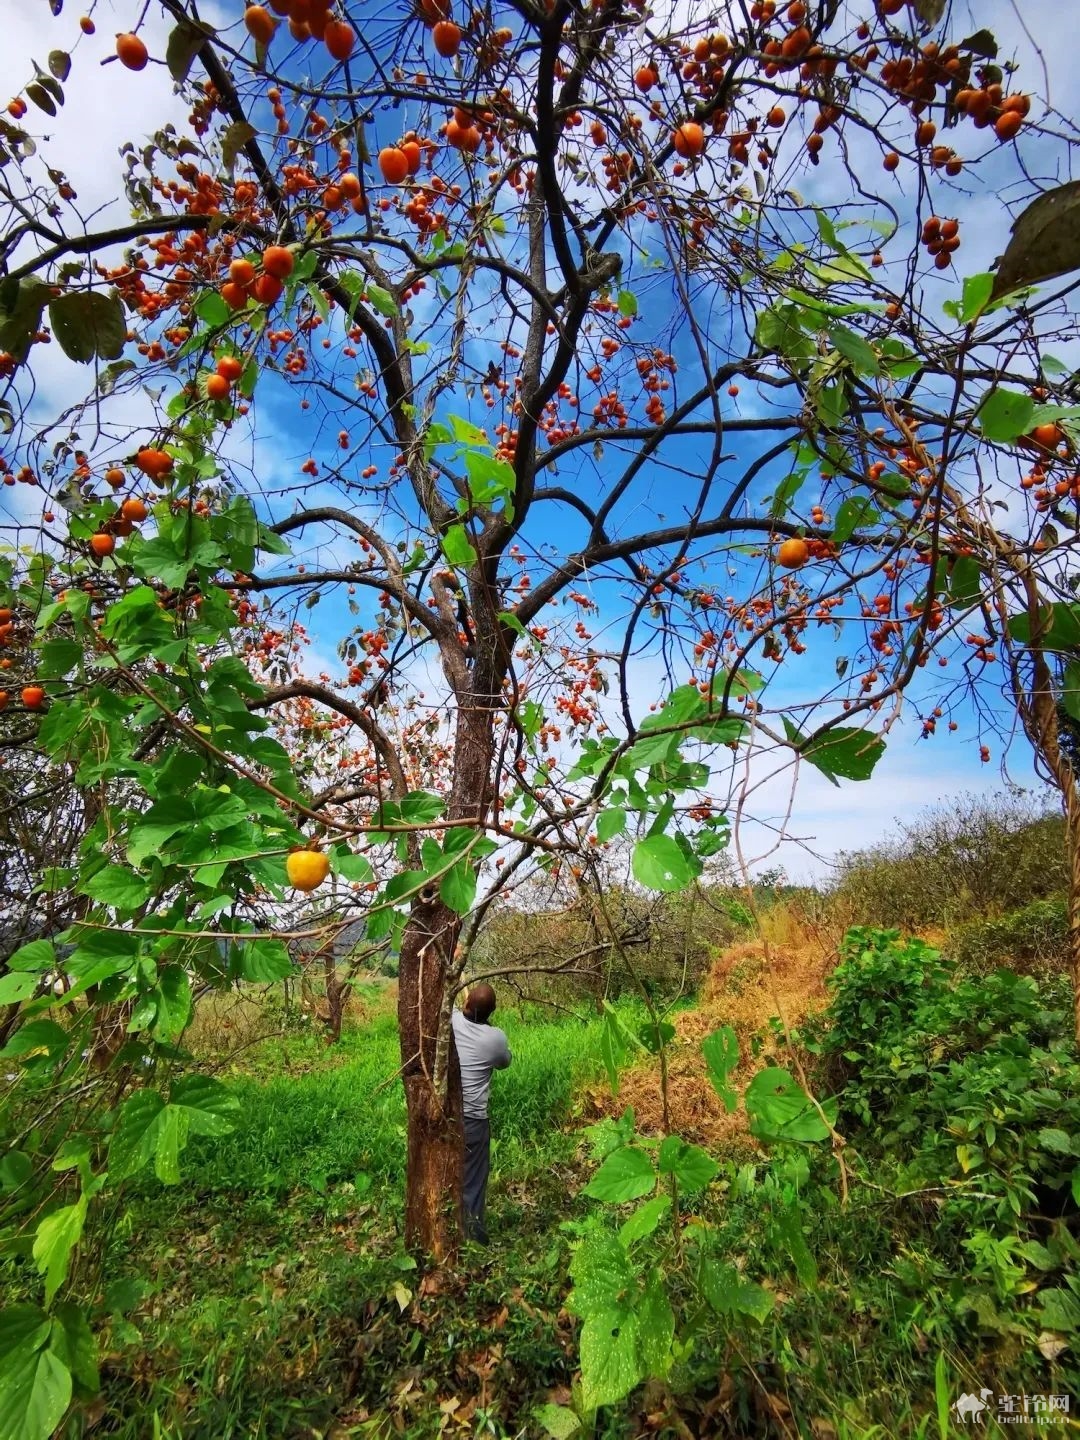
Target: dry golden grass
{"x":747,"y":985}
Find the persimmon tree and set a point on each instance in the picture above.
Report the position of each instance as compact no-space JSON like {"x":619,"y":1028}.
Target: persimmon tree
{"x":601,"y":381}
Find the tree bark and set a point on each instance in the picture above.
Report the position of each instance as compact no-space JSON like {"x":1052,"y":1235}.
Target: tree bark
{"x":436,"y":1133}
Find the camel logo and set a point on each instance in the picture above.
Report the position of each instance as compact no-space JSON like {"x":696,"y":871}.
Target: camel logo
{"x":972,"y":1407}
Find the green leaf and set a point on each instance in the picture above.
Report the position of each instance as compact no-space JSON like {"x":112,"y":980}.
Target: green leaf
{"x":1060,"y":1311}
{"x":755,"y":1301}
{"x":1045,"y":240}
{"x":39,"y":1037}
{"x":72,"y":1341}
{"x":173,"y":1003}
{"x":941,"y":1396}
{"x":35,"y":1384}
{"x":16,"y":1167}
{"x":355,"y":868}
{"x":55,"y":1239}
{"x":117,"y":886}
{"x":792,"y":1240}
{"x":644,"y":1220}
{"x":59,"y":64}
{"x":602,"y":1274}
{"x":559,"y":1422}
{"x":856,"y":510}
{"x":721,"y":1052}
{"x":656,"y":1327}
{"x":1005,"y":415}
{"x":692,"y":1167}
{"x":627,"y":303}
{"x":965,"y":581}
{"x":16,"y":987}
{"x":210,"y":1106}
{"x":457,"y":888}
{"x":261,"y":961}
{"x":41,"y":98}
{"x":859,"y":354}
{"x":613,"y":1048}
{"x":626,"y":1174}
{"x":490,"y":476}
{"x":1056,"y":1141}
{"x":89,"y":324}
{"x":382,"y":301}
{"x":847,"y":752}
{"x":719,"y":1283}
{"x":976,"y":296}
{"x":660,"y":863}
{"x":148,"y":1129}
{"x":36,"y":958}
{"x":1059,"y":627}
{"x":609,"y":1357}
{"x":780,"y":1109}
{"x":610,"y":822}
{"x":457,"y":547}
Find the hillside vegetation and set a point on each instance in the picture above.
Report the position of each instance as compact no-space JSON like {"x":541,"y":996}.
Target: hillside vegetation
{"x":848,"y":1285}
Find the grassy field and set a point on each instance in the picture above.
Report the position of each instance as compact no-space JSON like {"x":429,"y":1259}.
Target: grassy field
{"x":269,"y":1295}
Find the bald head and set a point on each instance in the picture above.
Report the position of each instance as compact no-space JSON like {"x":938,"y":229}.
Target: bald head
{"x":480,"y":1004}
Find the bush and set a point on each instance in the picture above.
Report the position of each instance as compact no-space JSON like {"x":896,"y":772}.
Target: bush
{"x":975,"y":857}
{"x":967,"y":1089}
{"x":1034,"y":939}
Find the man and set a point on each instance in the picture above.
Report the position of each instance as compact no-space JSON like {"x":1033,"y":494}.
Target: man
{"x":481,"y":1048}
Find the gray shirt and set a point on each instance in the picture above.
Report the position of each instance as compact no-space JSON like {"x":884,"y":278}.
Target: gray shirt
{"x":481,"y":1049}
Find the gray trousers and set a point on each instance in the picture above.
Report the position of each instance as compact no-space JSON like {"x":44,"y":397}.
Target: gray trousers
{"x":477,"y":1169}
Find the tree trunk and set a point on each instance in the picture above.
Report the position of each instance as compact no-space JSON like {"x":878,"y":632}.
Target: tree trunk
{"x":435,"y":1165}
{"x":436,"y":1134}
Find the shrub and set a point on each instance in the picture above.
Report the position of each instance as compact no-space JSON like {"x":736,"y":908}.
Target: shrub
{"x":974,"y":857}
{"x":967,"y":1088}
{"x":1034,"y":939}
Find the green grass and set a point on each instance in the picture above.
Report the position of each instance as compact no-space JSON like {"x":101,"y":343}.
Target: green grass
{"x":269,"y":1294}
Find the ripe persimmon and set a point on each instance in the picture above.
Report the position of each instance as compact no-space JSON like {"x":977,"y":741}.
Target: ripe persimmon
{"x":231,"y":367}
{"x":1049,"y":436}
{"x":447,"y":38}
{"x":33,"y":697}
{"x":307,"y":869}
{"x":154,"y":463}
{"x":115,"y":477}
{"x":102,"y":544}
{"x":393,"y":164}
{"x":242,"y":272}
{"x":645,"y":77}
{"x":134,"y":509}
{"x":260,"y":24}
{"x":217,"y":387}
{"x":1008,"y":125}
{"x":278,"y":262}
{"x":3,"y":699}
{"x":268,"y":289}
{"x":689,"y":140}
{"x":339,"y":38}
{"x":235,"y":296}
{"x":131,"y":52}
{"x":793,"y":553}
{"x":413,"y":155}
{"x":891,"y":160}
